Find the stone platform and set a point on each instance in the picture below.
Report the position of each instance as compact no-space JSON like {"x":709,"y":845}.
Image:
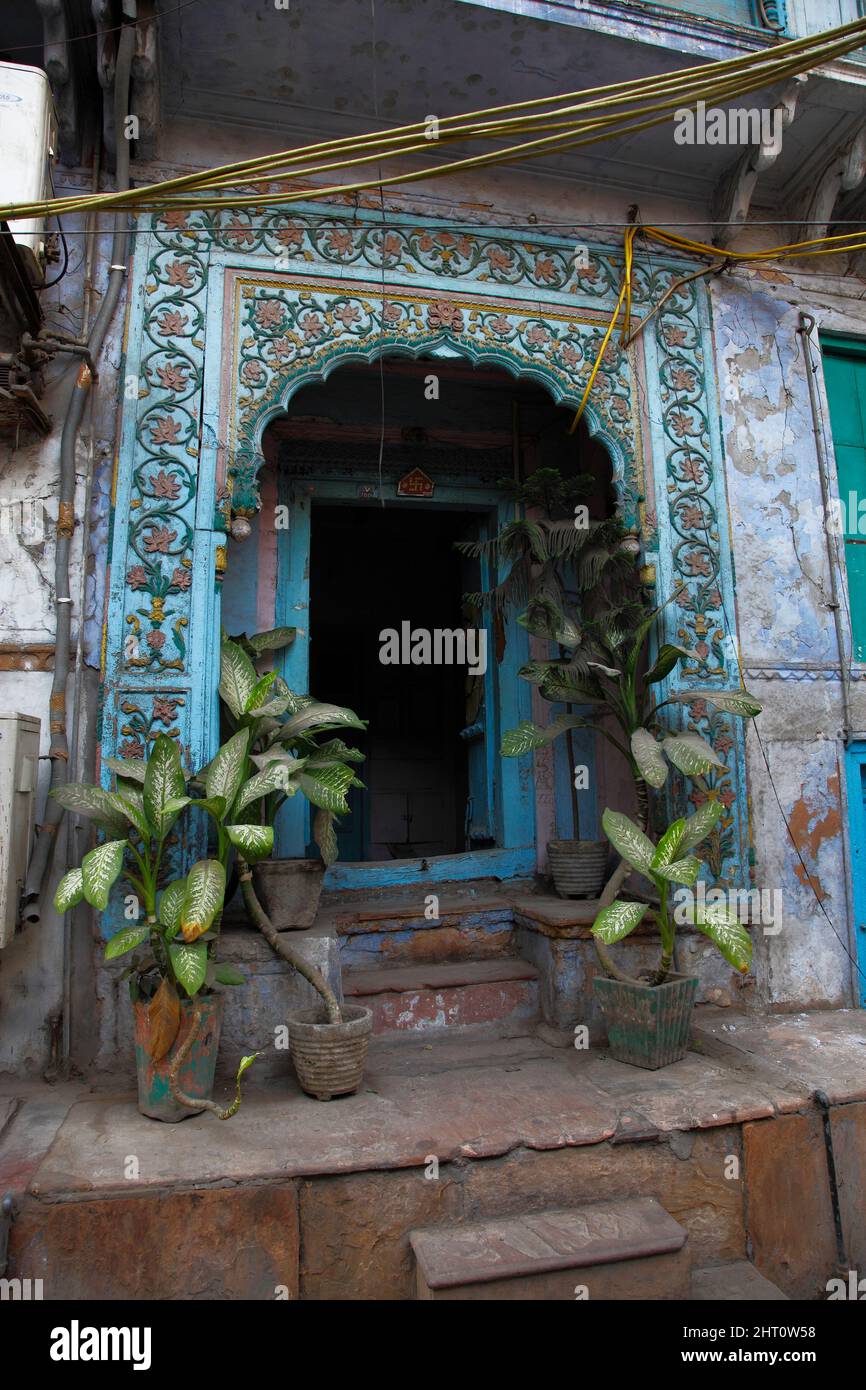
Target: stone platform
{"x":302,"y":1199}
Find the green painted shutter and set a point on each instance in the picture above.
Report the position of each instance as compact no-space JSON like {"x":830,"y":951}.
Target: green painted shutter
{"x":845,"y":378}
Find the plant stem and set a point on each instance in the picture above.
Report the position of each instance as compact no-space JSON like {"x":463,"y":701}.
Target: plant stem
{"x":177,"y":1062}
{"x":281,"y":947}
{"x":575,"y":813}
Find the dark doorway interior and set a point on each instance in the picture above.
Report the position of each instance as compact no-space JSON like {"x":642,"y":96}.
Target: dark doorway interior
{"x":373,"y":569}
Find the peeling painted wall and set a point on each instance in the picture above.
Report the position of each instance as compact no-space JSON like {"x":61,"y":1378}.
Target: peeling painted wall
{"x":788,"y":644}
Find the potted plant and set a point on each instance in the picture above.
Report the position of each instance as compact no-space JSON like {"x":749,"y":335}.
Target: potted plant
{"x":608,"y":668}
{"x":173,"y":980}
{"x":282,"y":735}
{"x":648,"y":1021}
{"x":285,"y":729}
{"x":560,"y":561}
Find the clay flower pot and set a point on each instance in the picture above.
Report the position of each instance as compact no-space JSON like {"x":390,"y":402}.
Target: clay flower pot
{"x":289,"y":891}
{"x":329,"y":1057}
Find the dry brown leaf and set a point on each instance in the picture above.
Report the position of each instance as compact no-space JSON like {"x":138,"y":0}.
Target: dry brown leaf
{"x":163,"y":1016}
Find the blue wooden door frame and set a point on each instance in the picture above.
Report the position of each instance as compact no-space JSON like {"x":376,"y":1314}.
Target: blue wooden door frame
{"x":510,"y":778}
{"x":855,"y":776}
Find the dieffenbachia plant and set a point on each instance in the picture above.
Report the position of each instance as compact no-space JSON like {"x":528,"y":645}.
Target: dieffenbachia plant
{"x":666,"y":865}
{"x":285,"y":732}
{"x":181,"y":918}
{"x":605,"y":669}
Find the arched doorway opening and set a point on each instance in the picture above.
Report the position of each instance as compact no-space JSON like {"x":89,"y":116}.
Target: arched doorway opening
{"x":365,"y":494}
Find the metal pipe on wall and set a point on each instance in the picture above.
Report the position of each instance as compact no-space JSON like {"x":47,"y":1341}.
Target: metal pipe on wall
{"x":34,"y":887}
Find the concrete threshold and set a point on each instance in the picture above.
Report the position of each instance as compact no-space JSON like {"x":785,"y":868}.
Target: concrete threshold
{"x":452,"y":1100}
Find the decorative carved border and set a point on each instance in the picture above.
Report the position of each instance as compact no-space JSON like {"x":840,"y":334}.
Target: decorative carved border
{"x":522,"y":303}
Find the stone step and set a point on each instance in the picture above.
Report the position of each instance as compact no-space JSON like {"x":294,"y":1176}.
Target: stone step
{"x":625,"y":1249}
{"x":427,"y":999}
{"x":734,"y":1283}
{"x":471,"y":922}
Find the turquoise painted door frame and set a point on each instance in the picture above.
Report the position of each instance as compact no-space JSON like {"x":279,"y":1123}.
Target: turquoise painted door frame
{"x":508,"y":699}
{"x":230,"y":312}
{"x":844,"y":362}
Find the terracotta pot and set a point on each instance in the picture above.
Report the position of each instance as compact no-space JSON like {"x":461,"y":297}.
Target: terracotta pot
{"x":289,"y":891}
{"x":647,"y":1025}
{"x":329,"y":1057}
{"x":578,"y":866}
{"x":196,"y":1076}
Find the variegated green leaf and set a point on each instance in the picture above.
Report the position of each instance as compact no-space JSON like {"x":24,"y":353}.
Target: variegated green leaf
{"x":628,"y":840}
{"x":163,"y":782}
{"x":171,"y":905}
{"x":259,"y":693}
{"x":649,"y":758}
{"x":70,"y":891}
{"x":214,"y":806}
{"x":729,"y":936}
{"x":130,"y":769}
{"x":668,"y":656}
{"x":325,"y":836}
{"x":125,"y":940}
{"x":237,"y":677}
{"x":523,"y":739}
{"x":668,"y":846}
{"x":699,"y":826}
{"x":205,"y":889}
{"x":731,"y":701}
{"x":327,"y":786}
{"x":616,"y":921}
{"x":272,"y":641}
{"x":680,"y":871}
{"x":99,"y":871}
{"x":133,"y":810}
{"x":320,"y":717}
{"x":278,"y":774}
{"x":189,"y":963}
{"x":225,"y":773}
{"x":691,"y":753}
{"x":92,"y":802}
{"x":254,"y":841}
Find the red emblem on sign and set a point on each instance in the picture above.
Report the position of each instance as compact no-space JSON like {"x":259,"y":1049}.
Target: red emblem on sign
{"x":415,"y":484}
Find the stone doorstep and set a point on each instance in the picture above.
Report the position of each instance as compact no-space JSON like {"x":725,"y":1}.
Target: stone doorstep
{"x":540,"y":1243}
{"x":435,"y":999}
{"x":400,"y":979}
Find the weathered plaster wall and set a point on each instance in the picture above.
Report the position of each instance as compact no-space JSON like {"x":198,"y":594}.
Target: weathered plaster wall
{"x":787,"y":636}
{"x":32,"y":967}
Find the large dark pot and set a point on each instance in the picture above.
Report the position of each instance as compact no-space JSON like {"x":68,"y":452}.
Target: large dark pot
{"x":289,"y":891}
{"x":578,"y":866}
{"x":647,"y":1025}
{"x":195,"y":1077}
{"x":329,"y":1057}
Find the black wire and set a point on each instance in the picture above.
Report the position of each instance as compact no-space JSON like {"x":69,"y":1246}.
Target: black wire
{"x":49,"y":284}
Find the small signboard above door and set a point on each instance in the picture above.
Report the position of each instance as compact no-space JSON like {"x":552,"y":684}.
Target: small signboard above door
{"x":415,"y":484}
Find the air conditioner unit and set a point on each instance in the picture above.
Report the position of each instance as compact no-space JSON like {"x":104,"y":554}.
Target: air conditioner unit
{"x":19,"y":770}
{"x":28,"y":142}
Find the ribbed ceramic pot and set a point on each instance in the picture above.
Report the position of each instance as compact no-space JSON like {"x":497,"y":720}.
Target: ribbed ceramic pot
{"x":578,"y":866}
{"x":647,"y":1025}
{"x":289,"y":890}
{"x":195,"y":1077}
{"x":329,"y":1057}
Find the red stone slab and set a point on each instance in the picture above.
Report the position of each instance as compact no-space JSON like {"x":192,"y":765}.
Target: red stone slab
{"x":537,"y":1243}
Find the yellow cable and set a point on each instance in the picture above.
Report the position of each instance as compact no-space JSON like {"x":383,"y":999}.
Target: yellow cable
{"x":817,"y":48}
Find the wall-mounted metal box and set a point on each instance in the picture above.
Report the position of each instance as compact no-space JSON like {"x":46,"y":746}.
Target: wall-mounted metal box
{"x":19,"y":768}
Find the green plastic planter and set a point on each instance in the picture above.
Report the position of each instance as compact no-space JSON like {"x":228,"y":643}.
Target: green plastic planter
{"x":196,"y":1076}
{"x":647,"y":1026}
